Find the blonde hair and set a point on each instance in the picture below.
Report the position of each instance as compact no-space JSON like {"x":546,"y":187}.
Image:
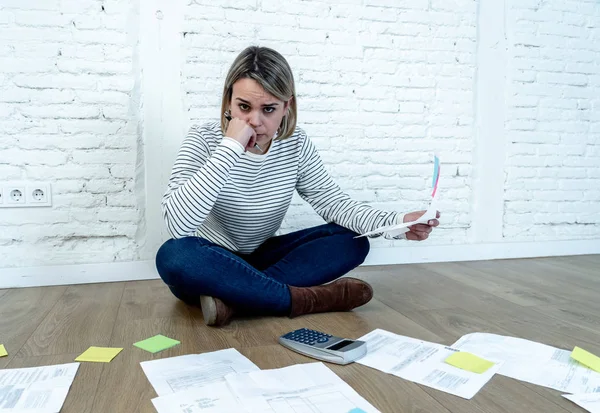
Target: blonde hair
{"x":273,"y":73}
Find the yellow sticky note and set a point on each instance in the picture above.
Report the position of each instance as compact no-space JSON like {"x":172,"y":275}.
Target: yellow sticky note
{"x":586,"y":358}
{"x":3,"y":352}
{"x":99,"y":354}
{"x":469,"y":362}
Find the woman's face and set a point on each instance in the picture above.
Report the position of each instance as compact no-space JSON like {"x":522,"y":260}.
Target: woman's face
{"x":261,"y":110}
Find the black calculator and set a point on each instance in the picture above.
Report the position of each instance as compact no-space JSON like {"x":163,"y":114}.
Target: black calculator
{"x":323,"y":346}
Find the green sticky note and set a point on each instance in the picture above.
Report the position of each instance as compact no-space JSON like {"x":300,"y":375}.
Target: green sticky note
{"x":469,"y":362}
{"x":99,"y":354}
{"x":586,"y":358}
{"x":3,"y":352}
{"x":156,"y":343}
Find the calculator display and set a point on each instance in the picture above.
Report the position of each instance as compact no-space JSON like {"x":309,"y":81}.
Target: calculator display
{"x":340,"y":345}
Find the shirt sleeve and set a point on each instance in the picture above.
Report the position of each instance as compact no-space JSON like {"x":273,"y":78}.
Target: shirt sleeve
{"x":317,"y":188}
{"x":196,"y":180}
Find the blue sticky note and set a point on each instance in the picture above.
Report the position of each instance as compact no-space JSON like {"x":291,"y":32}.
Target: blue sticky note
{"x":357,"y":410}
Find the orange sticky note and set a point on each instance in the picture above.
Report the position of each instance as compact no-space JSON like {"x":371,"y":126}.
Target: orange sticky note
{"x":586,"y":358}
{"x":469,"y":362}
{"x":3,"y":352}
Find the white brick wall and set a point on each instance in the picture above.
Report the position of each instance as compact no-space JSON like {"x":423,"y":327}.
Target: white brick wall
{"x":552,"y":188}
{"x":68,"y":115}
{"x":382,"y":86}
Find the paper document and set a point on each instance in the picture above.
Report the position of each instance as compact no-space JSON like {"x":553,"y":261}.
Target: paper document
{"x":590,"y":402}
{"x":36,"y":389}
{"x":398,"y":229}
{"x":306,"y":388}
{"x":211,"y":398}
{"x":423,"y":362}
{"x":533,"y":362}
{"x":175,"y":374}
{"x":430,"y":214}
{"x":311,"y":387}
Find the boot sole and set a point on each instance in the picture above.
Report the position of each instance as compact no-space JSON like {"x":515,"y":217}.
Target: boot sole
{"x":209,"y":310}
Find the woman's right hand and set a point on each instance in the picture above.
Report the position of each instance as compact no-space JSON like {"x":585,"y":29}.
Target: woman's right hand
{"x":239,"y":130}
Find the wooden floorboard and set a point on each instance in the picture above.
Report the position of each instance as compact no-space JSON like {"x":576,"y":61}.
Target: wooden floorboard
{"x":550,"y":300}
{"x":498,"y":286}
{"x":21,"y":311}
{"x":83,"y":316}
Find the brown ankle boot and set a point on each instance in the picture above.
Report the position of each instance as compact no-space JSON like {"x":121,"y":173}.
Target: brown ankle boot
{"x":341,"y":295}
{"x":215,"y":312}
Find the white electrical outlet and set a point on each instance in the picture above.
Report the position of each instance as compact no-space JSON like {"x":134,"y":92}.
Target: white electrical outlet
{"x":25,"y":194}
{"x":38,"y":194}
{"x":15,"y":195}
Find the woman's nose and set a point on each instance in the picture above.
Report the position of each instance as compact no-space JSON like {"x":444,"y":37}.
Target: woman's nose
{"x":254,"y":119}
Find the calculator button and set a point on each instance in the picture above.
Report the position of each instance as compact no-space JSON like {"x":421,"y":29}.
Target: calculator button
{"x":306,"y":336}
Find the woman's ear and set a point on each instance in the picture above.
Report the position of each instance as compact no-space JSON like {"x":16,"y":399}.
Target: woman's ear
{"x":286,"y":106}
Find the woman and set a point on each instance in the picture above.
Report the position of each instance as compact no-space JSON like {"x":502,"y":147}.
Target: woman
{"x":230,"y":187}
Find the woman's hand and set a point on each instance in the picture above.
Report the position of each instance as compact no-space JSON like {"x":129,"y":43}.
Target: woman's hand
{"x":420,"y":232}
{"x":239,"y":130}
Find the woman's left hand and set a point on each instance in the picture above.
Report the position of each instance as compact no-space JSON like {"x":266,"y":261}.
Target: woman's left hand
{"x":420,"y":232}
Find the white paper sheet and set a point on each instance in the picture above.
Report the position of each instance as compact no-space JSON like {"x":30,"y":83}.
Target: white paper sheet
{"x":533,"y":362}
{"x":211,"y":398}
{"x":331,"y":399}
{"x":422,"y":362}
{"x":36,"y":389}
{"x":300,"y":388}
{"x":311,"y":387}
{"x":394,"y":230}
{"x":589,"y":401}
{"x":430,"y":213}
{"x":175,"y":374}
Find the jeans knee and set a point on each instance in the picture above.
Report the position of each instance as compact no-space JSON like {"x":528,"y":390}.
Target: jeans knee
{"x":168,"y":260}
{"x":363,"y":247}
{"x":336,"y":229}
{"x":359,"y":248}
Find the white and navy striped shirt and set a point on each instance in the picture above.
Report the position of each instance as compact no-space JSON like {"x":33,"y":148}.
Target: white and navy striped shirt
{"x":238,"y":199}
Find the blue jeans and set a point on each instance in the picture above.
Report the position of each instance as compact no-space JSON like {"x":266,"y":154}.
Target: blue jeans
{"x":258,"y":282}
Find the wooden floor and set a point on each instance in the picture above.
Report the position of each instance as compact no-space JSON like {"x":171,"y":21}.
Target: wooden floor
{"x":555,"y":301}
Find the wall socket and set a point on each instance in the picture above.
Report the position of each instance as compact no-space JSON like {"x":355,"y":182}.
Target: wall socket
{"x":25,"y":194}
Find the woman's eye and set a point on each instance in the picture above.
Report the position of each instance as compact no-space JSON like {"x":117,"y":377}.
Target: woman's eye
{"x":244,"y":107}
{"x":269,"y":110}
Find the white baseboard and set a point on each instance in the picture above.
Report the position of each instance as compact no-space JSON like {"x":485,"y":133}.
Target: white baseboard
{"x":480,"y":252}
{"x":145,"y":270}
{"x":77,"y":274}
